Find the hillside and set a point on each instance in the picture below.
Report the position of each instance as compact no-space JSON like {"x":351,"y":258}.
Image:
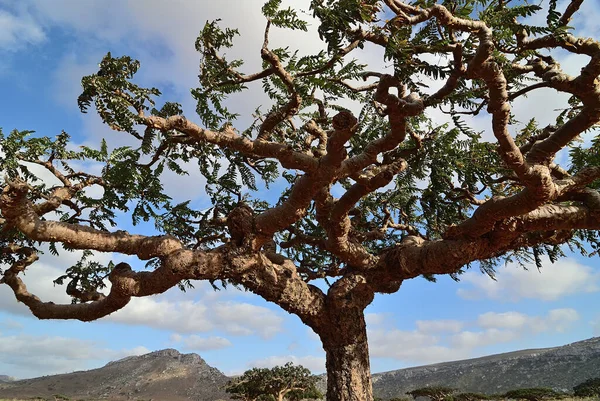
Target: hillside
{"x":560,"y":368}
{"x":161,"y":375}
{"x":170,"y":375}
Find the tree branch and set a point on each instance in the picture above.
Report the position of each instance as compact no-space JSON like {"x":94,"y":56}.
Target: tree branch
{"x":228,"y":138}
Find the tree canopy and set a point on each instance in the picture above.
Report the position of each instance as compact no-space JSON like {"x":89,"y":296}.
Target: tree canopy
{"x":588,"y":388}
{"x":374,"y":190}
{"x":434,"y":393}
{"x":293,"y":382}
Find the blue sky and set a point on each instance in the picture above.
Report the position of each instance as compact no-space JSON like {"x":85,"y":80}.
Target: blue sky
{"x":45,"y":49}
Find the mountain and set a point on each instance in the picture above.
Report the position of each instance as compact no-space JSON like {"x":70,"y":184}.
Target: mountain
{"x":6,"y":379}
{"x":161,"y":375}
{"x":559,"y":368}
{"x":169,"y":375}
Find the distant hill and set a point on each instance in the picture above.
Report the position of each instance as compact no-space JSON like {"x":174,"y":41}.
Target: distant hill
{"x":559,"y":368}
{"x":169,"y":375}
{"x":6,"y":379}
{"x":161,"y":375}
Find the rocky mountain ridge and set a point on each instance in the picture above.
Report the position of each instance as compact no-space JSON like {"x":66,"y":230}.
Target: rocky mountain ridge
{"x":160,"y":375}
{"x":173,"y":376}
{"x":559,"y":368}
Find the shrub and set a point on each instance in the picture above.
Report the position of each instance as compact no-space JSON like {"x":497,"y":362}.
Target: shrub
{"x":589,"y":388}
{"x":532,"y":394}
{"x":434,"y":393}
{"x":470,"y":397}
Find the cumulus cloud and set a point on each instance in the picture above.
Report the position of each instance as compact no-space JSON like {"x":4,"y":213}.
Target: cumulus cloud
{"x":439,"y":326}
{"x":10,"y":324}
{"x":315,"y":364}
{"x":199,"y":312}
{"x":506,"y":320}
{"x":505,"y":327}
{"x":39,"y":280}
{"x":414,"y":347}
{"x":513,"y":283}
{"x":198,"y":343}
{"x":445,"y":340}
{"x":467,"y":340}
{"x":375,"y":318}
{"x":196,"y":316}
{"x":31,"y":356}
{"x":19,"y":30}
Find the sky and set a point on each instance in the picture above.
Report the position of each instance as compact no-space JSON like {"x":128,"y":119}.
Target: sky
{"x":46,"y":47}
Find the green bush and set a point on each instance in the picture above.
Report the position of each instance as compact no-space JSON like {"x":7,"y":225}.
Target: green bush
{"x":589,"y":388}
{"x":434,"y":393}
{"x":533,"y":394}
{"x":470,"y":397}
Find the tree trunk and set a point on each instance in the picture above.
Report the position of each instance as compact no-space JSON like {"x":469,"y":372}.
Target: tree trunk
{"x":347,"y":352}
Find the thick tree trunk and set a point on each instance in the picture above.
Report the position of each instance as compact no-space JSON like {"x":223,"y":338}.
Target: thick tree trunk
{"x":347,"y":352}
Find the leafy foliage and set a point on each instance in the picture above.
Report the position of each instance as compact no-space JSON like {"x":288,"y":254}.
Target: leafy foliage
{"x":343,"y":198}
{"x":264,"y":384}
{"x":434,"y":393}
{"x":449,"y":165}
{"x":588,"y":388}
{"x":470,"y":397}
{"x":532,"y":394}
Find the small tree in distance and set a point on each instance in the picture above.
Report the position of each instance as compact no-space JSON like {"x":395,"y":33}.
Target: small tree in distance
{"x":533,"y":394}
{"x":589,"y":388}
{"x":370,"y":199}
{"x":434,"y":393}
{"x":293,"y":382}
{"x":470,"y":397}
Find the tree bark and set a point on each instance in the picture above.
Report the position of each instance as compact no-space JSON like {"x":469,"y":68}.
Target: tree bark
{"x":347,"y":352}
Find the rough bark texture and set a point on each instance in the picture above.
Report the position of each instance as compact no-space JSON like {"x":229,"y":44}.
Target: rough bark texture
{"x":347,"y":357}
{"x":363,"y":245}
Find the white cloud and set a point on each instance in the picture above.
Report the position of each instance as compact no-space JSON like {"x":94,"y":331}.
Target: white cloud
{"x":509,"y":326}
{"x":184,"y":315}
{"x":17,"y":31}
{"x":197,"y":343}
{"x":374,"y":318}
{"x":553,"y":281}
{"x":315,"y":364}
{"x":468,"y":340}
{"x":198,"y":316}
{"x":439,"y":326}
{"x":562,"y":319}
{"x":555,"y":320}
{"x":39,"y":280}
{"x":10,"y":324}
{"x":506,"y":320}
{"x":66,"y":83}
{"x":412,"y":347}
{"x":438,"y":341}
{"x":31,"y":356}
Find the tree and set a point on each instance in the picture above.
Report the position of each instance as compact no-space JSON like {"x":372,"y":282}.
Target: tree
{"x":470,"y":397}
{"x":434,"y":393}
{"x":290,"y":381}
{"x":589,"y":388}
{"x":320,"y":257}
{"x":533,"y":394}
